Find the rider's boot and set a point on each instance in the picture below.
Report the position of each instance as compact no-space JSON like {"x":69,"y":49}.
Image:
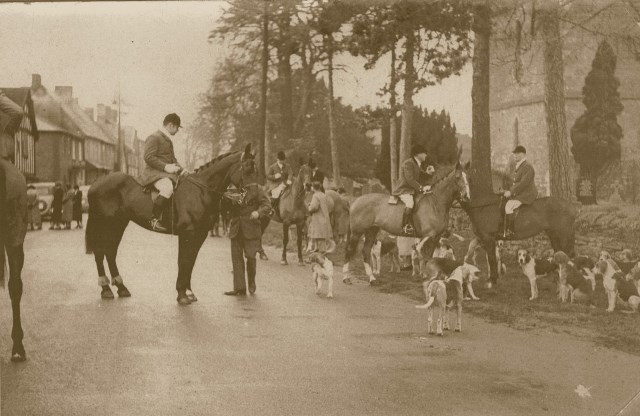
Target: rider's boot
{"x":274,"y":203}
{"x":509,"y":222}
{"x":407,"y":222}
{"x":158,"y":207}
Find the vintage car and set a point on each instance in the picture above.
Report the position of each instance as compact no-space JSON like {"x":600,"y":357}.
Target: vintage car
{"x":45,"y":197}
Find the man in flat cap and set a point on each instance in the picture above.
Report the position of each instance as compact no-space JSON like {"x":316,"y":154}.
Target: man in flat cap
{"x":161,"y":167}
{"x":409,"y":183}
{"x":523,"y":190}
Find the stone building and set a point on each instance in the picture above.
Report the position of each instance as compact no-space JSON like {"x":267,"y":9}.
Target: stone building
{"x":517,"y":80}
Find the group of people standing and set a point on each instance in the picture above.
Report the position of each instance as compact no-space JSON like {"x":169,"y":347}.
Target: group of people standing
{"x":66,"y":207}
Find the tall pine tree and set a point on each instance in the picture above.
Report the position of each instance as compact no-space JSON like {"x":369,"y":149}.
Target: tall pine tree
{"x":596,"y":134}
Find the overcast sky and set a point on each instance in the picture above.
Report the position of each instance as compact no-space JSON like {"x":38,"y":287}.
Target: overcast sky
{"x":160,"y":55}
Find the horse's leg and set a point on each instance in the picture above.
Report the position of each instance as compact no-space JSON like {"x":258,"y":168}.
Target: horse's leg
{"x":299,"y":236}
{"x":117,"y":231}
{"x":16,"y":261}
{"x":285,"y":242}
{"x":490,"y":248}
{"x":369,"y":238}
{"x":349,"y":252}
{"x":199,"y":237}
{"x":185,"y":266}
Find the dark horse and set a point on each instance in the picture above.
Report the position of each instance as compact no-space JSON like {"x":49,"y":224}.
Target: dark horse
{"x":13,"y":228}
{"x":372,"y":212}
{"x":292,"y":210}
{"x":554,"y":216}
{"x":116,"y":199}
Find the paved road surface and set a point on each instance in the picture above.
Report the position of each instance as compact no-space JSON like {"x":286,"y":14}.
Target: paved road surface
{"x":283,"y":351}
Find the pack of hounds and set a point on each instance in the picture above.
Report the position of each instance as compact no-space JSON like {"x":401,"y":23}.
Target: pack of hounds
{"x":446,"y":282}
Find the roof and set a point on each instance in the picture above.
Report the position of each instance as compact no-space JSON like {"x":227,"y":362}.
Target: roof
{"x":45,"y":125}
{"x":51,"y":108}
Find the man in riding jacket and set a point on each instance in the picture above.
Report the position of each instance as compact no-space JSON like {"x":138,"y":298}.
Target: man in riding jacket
{"x":245,"y":232}
{"x":161,"y":166}
{"x":279,"y":175}
{"x":410,"y":183}
{"x":523,"y":190}
{"x":10,"y":119}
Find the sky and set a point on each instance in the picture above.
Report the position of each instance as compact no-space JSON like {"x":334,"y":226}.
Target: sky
{"x":159,"y":56}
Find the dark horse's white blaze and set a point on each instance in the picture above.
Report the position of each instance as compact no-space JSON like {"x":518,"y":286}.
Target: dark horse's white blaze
{"x":117,"y":199}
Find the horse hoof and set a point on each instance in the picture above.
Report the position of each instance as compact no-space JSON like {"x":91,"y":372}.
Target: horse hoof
{"x":191,"y":296}
{"x":457,"y":330}
{"x":123,"y":292}
{"x":284,"y":262}
{"x":373,"y":283}
{"x":347,"y":281}
{"x":183,"y":300}
{"x":263,"y":257}
{"x":106,"y":293}
{"x":18,"y":358}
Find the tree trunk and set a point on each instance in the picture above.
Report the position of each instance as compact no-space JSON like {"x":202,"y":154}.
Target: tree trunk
{"x":262,"y":146}
{"x":407,"y":105}
{"x":285,"y":50}
{"x":481,"y":183}
{"x":393,"y":125}
{"x":333,"y":141}
{"x":557,"y":143}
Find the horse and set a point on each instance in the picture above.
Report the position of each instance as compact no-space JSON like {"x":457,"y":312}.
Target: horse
{"x":292,"y":210}
{"x":116,"y":199}
{"x":554,"y":216}
{"x":372,"y":212}
{"x":13,"y":229}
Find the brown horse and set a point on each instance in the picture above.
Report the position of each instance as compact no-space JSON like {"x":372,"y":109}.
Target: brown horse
{"x":13,"y":229}
{"x":292,"y":210}
{"x":116,"y":199}
{"x":554,"y":216}
{"x":372,"y":212}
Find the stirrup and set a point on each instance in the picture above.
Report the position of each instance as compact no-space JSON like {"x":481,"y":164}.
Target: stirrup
{"x":408,"y":229}
{"x":156,"y":225}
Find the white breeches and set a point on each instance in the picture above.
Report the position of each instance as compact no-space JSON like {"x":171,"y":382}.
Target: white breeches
{"x":165,"y":187}
{"x":277,"y":191}
{"x":511,"y":206}
{"x":407,"y":199}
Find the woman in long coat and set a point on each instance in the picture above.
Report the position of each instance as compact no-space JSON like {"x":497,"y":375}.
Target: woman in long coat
{"x":67,"y":208}
{"x":33,"y":209}
{"x":319,"y":222}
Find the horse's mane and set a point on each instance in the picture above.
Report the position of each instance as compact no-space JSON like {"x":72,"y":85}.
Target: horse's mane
{"x":214,"y":160}
{"x":440,"y":179}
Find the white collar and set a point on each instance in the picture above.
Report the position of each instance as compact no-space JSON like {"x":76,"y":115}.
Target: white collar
{"x":166,"y":132}
{"x":417,"y":161}
{"x":520,"y":163}
{"x":280,"y":164}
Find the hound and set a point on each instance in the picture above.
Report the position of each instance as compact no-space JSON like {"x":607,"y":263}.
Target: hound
{"x":617,"y":285}
{"x":573,"y":284}
{"x":534,"y":269}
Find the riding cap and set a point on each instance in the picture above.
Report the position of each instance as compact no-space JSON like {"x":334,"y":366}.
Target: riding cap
{"x":281,"y":155}
{"x":416,"y":149}
{"x":172,"y":118}
{"x":520,"y":149}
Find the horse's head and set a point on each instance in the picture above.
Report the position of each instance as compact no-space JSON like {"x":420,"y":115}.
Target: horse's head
{"x":304,"y":174}
{"x":244,"y":171}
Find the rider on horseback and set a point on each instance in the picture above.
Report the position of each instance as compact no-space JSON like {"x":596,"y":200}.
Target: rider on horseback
{"x":411,"y":176}
{"x":162,"y":167}
{"x":523,"y":190}
{"x":279,"y":175}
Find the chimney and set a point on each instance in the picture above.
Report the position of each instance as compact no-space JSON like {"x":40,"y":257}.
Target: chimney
{"x":65,"y":93}
{"x":102,"y":114}
{"x":36,"y":81}
{"x":89,"y":112}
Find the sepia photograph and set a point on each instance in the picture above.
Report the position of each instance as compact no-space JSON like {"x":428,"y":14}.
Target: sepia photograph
{"x":320,"y":207}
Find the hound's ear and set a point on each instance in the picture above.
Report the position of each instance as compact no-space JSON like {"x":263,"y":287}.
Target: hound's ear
{"x":247,"y":149}
{"x":527,"y":258}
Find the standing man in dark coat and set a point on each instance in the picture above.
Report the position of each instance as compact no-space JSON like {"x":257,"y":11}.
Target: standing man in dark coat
{"x":523,"y":190}
{"x":77,"y":206}
{"x":162,"y":167}
{"x":316,"y":174}
{"x":56,"y":206}
{"x":245,"y":232}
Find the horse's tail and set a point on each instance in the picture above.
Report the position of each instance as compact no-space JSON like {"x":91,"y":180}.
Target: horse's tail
{"x":352,"y":245}
{"x":91,"y":233}
{"x":3,"y":222}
